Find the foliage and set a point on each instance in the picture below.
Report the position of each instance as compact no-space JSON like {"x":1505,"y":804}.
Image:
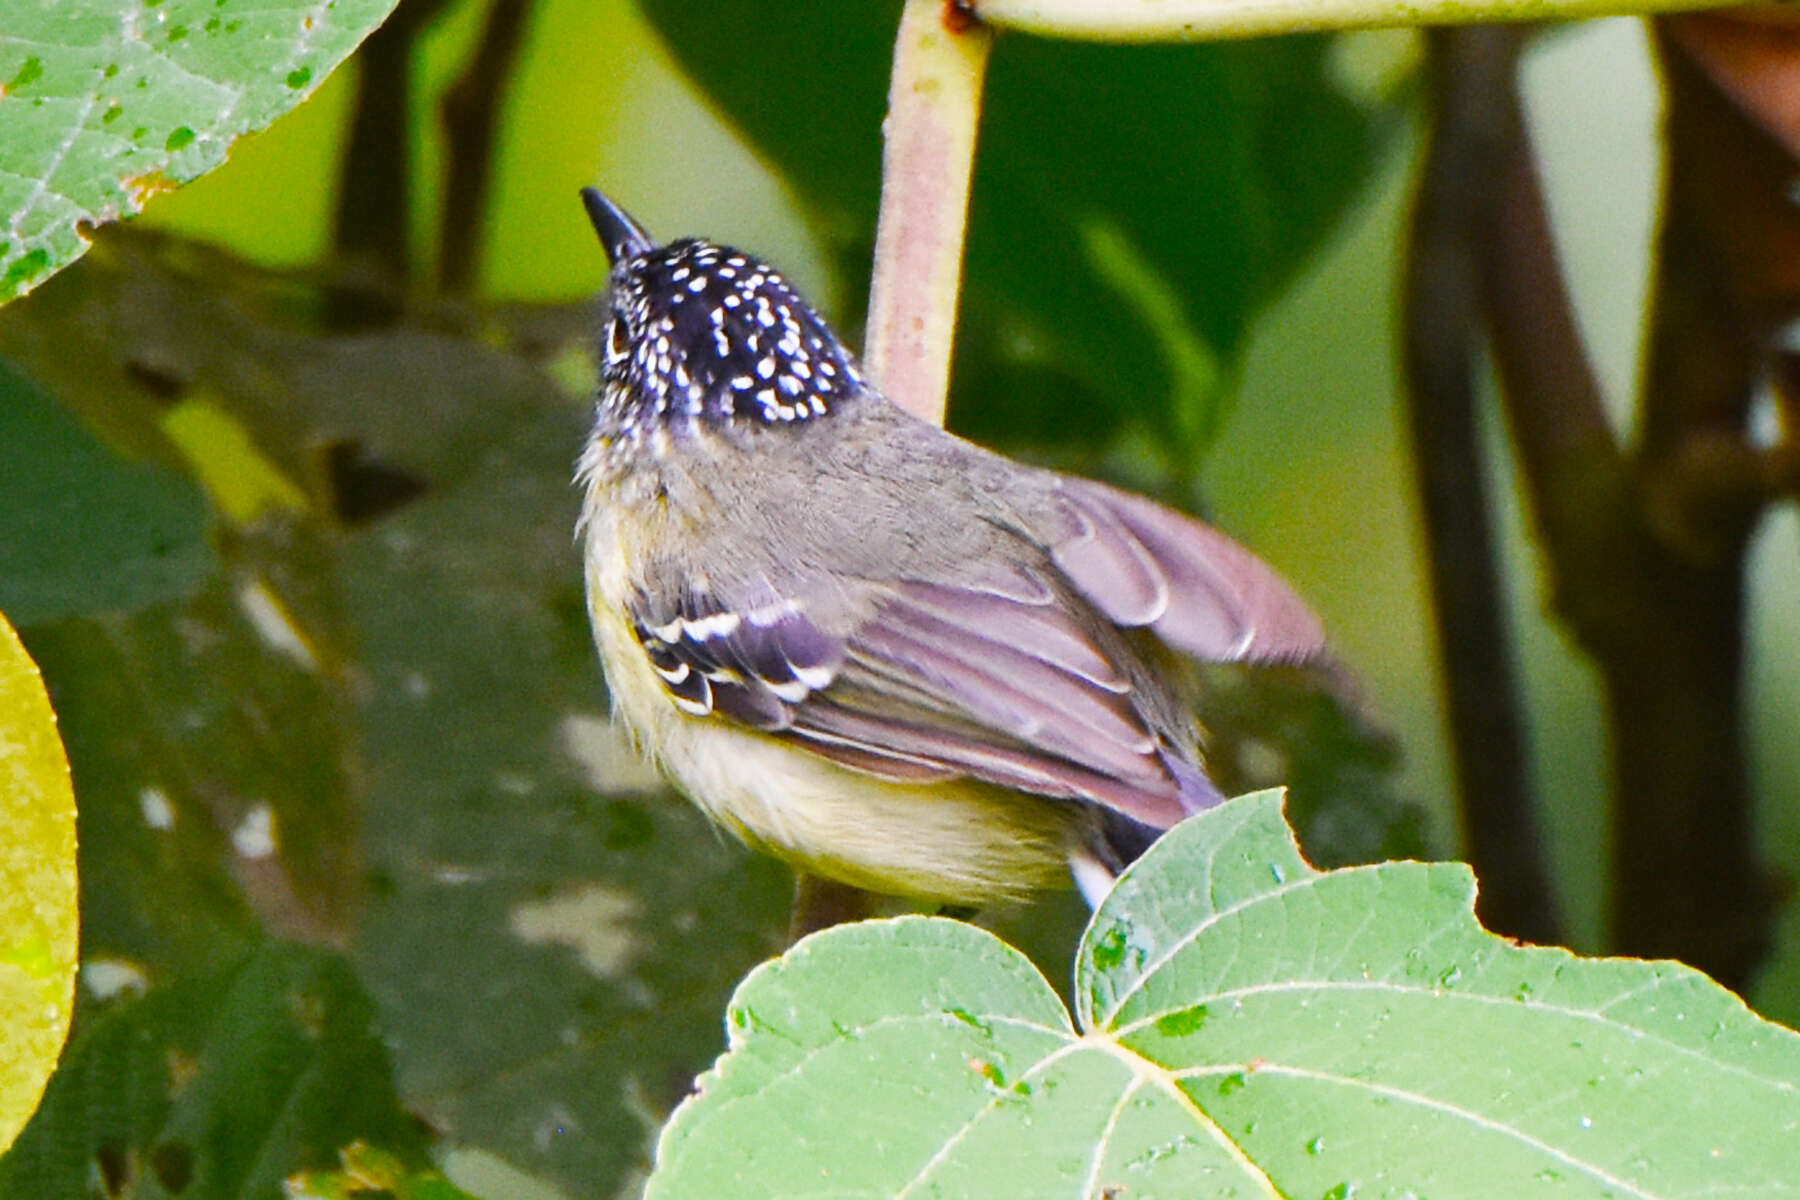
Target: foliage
{"x":377,"y":722}
{"x":129,"y":535}
{"x":216,"y":1087}
{"x":312,"y":622}
{"x":105,"y":102}
{"x":1102,"y":289}
{"x":37,"y":887}
{"x":367,"y":1169}
{"x":1244,"y":1025}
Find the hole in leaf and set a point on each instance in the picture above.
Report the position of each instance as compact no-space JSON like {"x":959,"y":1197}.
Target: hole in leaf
{"x":163,"y":380}
{"x":363,"y":487}
{"x":113,"y":1166}
{"x":173,"y":1165}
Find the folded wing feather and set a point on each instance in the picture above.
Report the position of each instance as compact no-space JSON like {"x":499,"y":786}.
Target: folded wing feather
{"x":995,"y":678}
{"x":1196,"y":589}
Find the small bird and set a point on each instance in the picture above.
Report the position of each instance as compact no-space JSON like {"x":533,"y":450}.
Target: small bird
{"x":878,"y":651}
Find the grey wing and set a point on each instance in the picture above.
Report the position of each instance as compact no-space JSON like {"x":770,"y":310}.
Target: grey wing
{"x":1143,"y":565}
{"x":1000,"y":677}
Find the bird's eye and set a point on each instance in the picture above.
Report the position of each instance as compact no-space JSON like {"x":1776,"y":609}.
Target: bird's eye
{"x":617,"y":346}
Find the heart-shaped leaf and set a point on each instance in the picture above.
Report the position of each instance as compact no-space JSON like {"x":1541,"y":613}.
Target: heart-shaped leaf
{"x":1249,"y":1026}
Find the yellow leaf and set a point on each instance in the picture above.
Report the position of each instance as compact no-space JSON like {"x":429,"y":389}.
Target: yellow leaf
{"x":37,"y":888}
{"x":243,"y":481}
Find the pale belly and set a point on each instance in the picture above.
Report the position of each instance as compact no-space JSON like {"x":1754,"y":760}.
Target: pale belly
{"x":957,"y":840}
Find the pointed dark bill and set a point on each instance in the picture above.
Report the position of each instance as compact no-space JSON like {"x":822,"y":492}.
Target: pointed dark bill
{"x":622,"y":236}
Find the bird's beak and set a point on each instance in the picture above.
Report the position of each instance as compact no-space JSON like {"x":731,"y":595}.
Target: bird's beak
{"x":622,"y":236}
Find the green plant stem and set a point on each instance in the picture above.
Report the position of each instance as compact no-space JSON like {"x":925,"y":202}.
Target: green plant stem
{"x":1184,"y":20}
{"x":934,"y":106}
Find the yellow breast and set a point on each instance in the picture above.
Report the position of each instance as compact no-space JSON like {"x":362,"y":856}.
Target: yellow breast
{"x":958,"y":841}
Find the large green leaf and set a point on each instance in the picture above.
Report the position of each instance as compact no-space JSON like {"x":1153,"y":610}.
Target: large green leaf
{"x":81,"y":529}
{"x":104,"y":102}
{"x":37,"y":887}
{"x":1248,"y":1026}
{"x":1132,"y":208}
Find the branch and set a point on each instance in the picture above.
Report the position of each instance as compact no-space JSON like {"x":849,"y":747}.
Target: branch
{"x":471,"y":109}
{"x":1193,"y":20}
{"x":934,"y":106}
{"x":1665,"y":592}
{"x":371,"y":224}
{"x":1472,"y":89}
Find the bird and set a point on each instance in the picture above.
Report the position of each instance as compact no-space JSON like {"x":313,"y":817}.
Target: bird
{"x":869,"y":647}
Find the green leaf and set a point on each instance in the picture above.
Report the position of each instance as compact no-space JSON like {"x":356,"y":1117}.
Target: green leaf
{"x":1133,"y":207}
{"x":1247,"y":1026}
{"x":217,"y":1087}
{"x":37,"y":887}
{"x":105,"y":102}
{"x":83,"y":530}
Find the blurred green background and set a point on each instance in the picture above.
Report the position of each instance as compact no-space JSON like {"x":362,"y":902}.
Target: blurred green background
{"x":547,"y":939}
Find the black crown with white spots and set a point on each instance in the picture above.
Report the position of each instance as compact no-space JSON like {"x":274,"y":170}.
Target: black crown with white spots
{"x":707,"y":333}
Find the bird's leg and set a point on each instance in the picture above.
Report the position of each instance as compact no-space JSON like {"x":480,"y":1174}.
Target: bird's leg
{"x":820,"y":903}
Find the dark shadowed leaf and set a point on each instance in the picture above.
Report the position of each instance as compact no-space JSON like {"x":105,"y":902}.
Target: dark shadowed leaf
{"x":1133,"y":206}
{"x":215,"y":1088}
{"x":368,"y":1169}
{"x":82,"y":530}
